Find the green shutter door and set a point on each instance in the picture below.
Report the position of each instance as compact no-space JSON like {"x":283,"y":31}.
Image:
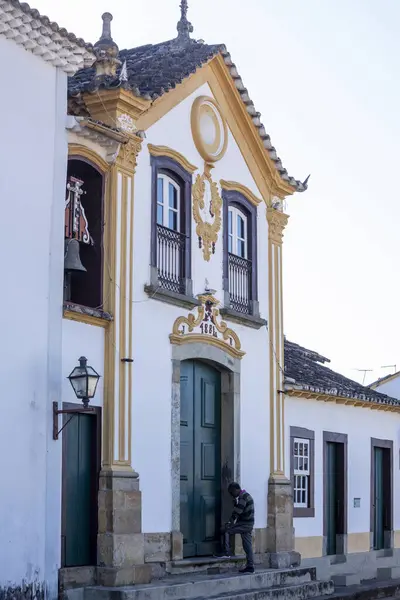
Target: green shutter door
{"x":331,"y":498}
{"x":79,"y":504}
{"x":200,"y":458}
{"x":378,"y":499}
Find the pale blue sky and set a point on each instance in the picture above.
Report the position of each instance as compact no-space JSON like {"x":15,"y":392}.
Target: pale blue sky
{"x":325,"y":76}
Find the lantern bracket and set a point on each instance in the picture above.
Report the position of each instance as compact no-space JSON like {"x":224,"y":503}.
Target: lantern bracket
{"x":67,"y":411}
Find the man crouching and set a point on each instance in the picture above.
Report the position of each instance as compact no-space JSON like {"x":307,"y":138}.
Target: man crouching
{"x":241,"y":522}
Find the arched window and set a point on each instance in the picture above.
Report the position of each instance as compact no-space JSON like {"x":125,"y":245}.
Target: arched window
{"x":237,"y":232}
{"x":171,"y":227}
{"x":240,"y":254}
{"x":168,"y":202}
{"x":83,"y":263}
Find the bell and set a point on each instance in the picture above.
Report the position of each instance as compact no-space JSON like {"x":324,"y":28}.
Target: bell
{"x":72,"y":261}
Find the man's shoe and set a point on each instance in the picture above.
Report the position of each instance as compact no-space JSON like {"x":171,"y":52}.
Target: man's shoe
{"x":247,"y":570}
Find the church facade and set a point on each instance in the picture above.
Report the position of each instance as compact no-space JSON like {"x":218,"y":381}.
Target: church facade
{"x":187,"y":303}
{"x":162,"y":276}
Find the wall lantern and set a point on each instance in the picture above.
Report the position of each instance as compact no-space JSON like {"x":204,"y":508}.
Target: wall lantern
{"x":84,"y":380}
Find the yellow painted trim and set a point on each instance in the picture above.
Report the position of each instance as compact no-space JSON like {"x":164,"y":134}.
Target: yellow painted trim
{"x":396,"y":539}
{"x":217,"y":76}
{"x":79,"y":151}
{"x":277,"y":343}
{"x":358,"y":542}
{"x":163,"y":105}
{"x":109,"y":302}
{"x":322,"y":397}
{"x":174,"y":154}
{"x":309,"y":547}
{"x":180,"y":340}
{"x":122,"y":320}
{"x":271,"y":356}
{"x":206,"y":151}
{"x":87,"y":319}
{"x":234,"y":186}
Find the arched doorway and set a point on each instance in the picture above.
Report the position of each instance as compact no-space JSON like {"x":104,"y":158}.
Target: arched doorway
{"x":200,"y":458}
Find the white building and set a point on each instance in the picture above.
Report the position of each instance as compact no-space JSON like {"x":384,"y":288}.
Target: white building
{"x":390,"y":385}
{"x":36,"y":56}
{"x":172,"y":226}
{"x":346,"y":497}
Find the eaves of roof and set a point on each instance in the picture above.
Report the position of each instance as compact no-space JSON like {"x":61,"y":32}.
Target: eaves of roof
{"x":37,"y":34}
{"x":154,"y":70}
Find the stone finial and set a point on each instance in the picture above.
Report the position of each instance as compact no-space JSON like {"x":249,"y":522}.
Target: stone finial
{"x":184,"y":27}
{"x":106,"y":50}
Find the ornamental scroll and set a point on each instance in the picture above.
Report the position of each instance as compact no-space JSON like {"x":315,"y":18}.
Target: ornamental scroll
{"x":206,"y":327}
{"x":207,"y":202}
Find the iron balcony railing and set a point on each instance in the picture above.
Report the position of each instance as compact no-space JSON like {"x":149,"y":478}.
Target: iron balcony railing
{"x":171,"y":259}
{"x":240,"y":284}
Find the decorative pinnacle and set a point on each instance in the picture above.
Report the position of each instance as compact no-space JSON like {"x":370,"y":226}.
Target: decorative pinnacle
{"x":106,"y":33}
{"x":184,"y":27}
{"x":106,"y":50}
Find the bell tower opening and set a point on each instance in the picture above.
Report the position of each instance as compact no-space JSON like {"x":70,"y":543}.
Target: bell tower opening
{"x":83,"y":257}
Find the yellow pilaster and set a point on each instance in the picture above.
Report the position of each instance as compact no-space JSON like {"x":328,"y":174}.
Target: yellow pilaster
{"x":277,"y":222}
{"x":118,"y":289}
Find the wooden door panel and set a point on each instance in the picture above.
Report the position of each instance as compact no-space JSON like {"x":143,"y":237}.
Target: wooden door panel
{"x":79,"y":471}
{"x":200,"y":458}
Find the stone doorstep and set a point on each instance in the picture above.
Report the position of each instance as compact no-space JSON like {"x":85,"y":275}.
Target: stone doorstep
{"x":208,"y":565}
{"x":197,"y":586}
{"x":299,"y":591}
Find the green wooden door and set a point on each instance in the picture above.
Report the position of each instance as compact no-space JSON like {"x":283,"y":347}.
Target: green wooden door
{"x":378,"y":499}
{"x":331,"y":498}
{"x":79,"y":491}
{"x":200,"y":458}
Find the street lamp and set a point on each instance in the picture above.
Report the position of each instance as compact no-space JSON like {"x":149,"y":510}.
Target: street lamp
{"x":84,"y":380}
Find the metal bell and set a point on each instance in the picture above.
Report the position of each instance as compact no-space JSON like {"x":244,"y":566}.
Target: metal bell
{"x":72,"y":260}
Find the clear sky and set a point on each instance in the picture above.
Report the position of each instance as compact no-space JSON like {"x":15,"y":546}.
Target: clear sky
{"x":325,"y":76}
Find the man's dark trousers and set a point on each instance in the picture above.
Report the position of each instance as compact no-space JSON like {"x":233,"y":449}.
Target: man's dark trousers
{"x":247,"y":540}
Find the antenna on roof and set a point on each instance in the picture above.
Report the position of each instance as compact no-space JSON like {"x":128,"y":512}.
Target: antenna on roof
{"x":390,"y":367}
{"x":365,"y":371}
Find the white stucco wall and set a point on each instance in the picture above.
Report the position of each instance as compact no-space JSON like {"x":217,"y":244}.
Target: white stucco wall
{"x":390,"y":388}
{"x":81,"y":339}
{"x":33,"y":153}
{"x":360,"y":424}
{"x":153,"y":321}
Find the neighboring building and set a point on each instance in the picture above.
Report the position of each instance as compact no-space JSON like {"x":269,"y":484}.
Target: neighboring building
{"x":37,"y":56}
{"x":342,"y":443}
{"x":390,"y":384}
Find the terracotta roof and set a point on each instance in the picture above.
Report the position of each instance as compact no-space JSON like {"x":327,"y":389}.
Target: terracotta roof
{"x":306,"y":369}
{"x":154,"y":69}
{"x":45,"y":38}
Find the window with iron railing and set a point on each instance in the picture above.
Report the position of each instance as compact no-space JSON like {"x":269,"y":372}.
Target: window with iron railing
{"x":239,"y":265}
{"x":170,"y":241}
{"x":240,"y":254}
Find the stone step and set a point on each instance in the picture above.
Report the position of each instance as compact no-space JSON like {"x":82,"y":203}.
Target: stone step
{"x":298,"y":591}
{"x":201,"y":586}
{"x":209,"y":565}
{"x":346,"y":579}
{"x":387,"y":573}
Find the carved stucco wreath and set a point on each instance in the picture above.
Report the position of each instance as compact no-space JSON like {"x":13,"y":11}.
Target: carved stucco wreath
{"x":210,"y":136}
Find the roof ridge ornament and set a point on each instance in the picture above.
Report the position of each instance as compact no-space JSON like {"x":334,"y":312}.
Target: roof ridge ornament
{"x":106,"y":50}
{"x":184,"y":27}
